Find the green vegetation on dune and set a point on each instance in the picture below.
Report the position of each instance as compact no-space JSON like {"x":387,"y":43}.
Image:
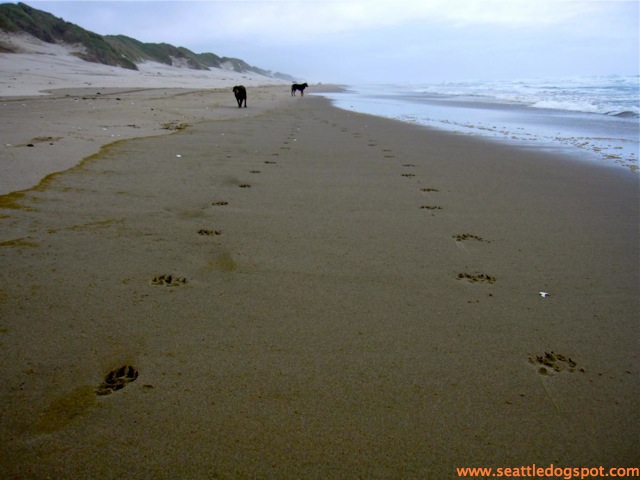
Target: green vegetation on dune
{"x":138,"y":51}
{"x":21,"y":18}
{"x":116,"y":50}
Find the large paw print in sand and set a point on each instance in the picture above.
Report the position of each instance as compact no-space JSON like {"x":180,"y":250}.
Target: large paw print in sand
{"x":168,"y":280}
{"x":461,"y":237}
{"x":117,"y":379}
{"x":476,"y":278}
{"x":208,"y":233}
{"x":551,"y":362}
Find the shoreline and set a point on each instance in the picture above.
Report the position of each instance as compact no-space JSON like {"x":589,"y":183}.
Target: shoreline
{"x":610,"y":140}
{"x":315,"y":293}
{"x":102,"y":111}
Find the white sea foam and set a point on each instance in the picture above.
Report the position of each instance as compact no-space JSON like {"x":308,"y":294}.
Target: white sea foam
{"x":609,"y":95}
{"x":600,"y":115}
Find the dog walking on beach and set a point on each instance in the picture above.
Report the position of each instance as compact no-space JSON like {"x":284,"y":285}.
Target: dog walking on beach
{"x":298,"y":86}
{"x":241,"y":95}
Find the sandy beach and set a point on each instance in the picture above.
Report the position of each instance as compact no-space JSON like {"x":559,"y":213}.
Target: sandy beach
{"x":45,"y":135}
{"x":58,"y":109}
{"x":294,"y":291}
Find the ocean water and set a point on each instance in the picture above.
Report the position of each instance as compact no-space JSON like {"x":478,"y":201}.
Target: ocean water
{"x":593,"y":118}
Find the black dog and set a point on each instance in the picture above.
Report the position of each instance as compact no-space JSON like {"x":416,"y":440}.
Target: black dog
{"x":298,"y":86}
{"x":241,"y":95}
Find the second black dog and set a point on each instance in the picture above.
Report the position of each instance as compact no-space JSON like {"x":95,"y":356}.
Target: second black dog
{"x":300,"y":87}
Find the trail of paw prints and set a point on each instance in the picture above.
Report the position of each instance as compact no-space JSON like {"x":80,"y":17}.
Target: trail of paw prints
{"x":551,"y":363}
{"x":117,"y":379}
{"x":388,"y":153}
{"x":293,"y":135}
{"x":168,"y":281}
{"x":346,"y":130}
{"x":431,"y":207}
{"x":391,"y":155}
{"x":286,"y":145}
{"x":292,"y":138}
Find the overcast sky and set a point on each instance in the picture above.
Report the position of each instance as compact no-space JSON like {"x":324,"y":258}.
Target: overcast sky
{"x":376,"y":41}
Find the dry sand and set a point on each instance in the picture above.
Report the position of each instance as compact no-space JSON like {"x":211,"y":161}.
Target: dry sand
{"x":44,"y":135}
{"x":38,"y":67}
{"x":57,"y":109}
{"x":305,"y":292}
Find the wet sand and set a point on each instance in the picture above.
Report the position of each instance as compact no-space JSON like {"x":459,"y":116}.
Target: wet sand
{"x":304,"y":292}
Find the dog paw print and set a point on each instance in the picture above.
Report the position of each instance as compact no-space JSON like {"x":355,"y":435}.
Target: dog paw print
{"x":468,"y":236}
{"x":168,"y":280}
{"x":477,"y":278}
{"x":209,"y":233}
{"x":117,"y":379}
{"x":552,"y":362}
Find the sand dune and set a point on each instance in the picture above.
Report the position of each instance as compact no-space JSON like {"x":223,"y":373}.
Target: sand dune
{"x":41,"y":67}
